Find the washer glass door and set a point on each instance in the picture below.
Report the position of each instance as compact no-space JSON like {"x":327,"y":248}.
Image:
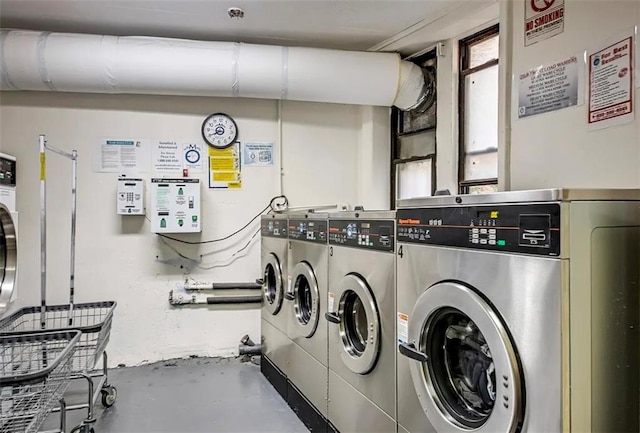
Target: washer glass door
{"x":306,"y":299}
{"x":272,"y":284}
{"x":467,"y":374}
{"x":358,"y":324}
{"x":8,"y":257}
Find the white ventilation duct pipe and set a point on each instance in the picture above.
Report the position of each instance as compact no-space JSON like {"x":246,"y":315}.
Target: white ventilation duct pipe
{"x":108,"y":64}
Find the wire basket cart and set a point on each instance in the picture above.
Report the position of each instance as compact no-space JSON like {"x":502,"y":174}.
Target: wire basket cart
{"x":35,"y":371}
{"x":92,"y":319}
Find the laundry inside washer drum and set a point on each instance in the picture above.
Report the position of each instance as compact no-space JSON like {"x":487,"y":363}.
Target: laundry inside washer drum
{"x":461,"y":367}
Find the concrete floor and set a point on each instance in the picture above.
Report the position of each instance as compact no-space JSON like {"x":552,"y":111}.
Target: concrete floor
{"x":193,"y":395}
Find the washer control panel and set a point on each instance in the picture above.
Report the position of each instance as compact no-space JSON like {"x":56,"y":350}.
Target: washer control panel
{"x":274,"y":227}
{"x":365,"y":234}
{"x":521,"y":228}
{"x":309,"y":230}
{"x":7,"y":170}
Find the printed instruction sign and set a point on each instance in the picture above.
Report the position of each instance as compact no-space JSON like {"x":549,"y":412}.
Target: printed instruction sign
{"x":257,"y":154}
{"x":166,"y":156}
{"x":172,"y":156}
{"x":611,"y":83}
{"x":121,"y":155}
{"x":543,"y":19}
{"x":224,"y":167}
{"x":551,"y":87}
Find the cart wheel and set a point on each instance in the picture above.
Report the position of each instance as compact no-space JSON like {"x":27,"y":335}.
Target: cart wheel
{"x":109,"y":395}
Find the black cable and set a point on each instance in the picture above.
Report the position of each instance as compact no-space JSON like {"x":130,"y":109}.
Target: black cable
{"x":272,"y":206}
{"x":234,"y":254}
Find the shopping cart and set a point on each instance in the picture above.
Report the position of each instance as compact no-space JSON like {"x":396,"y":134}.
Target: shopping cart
{"x":93,"y":320}
{"x":35,"y":371}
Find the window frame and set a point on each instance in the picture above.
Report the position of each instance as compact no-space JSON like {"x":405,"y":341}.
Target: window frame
{"x":397,"y":133}
{"x":464,"y":71}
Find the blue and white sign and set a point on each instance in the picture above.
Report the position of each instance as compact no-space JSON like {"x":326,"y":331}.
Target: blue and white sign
{"x":193,"y":156}
{"x":257,"y":154}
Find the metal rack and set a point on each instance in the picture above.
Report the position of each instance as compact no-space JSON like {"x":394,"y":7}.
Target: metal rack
{"x":92,"y":319}
{"x":35,"y":371}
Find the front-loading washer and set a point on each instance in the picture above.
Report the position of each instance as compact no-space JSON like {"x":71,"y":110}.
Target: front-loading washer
{"x":307,"y":302}
{"x":274,"y":314}
{"x":361,"y":316}
{"x":8,"y":232}
{"x":518,"y":312}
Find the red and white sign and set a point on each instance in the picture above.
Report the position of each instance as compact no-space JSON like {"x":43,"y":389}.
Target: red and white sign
{"x":611,"y":84}
{"x":542,"y":20}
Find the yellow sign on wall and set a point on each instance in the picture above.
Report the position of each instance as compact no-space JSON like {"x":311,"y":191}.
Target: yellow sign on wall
{"x":225,"y":167}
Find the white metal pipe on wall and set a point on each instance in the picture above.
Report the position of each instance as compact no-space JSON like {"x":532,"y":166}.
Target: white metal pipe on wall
{"x":62,"y":62}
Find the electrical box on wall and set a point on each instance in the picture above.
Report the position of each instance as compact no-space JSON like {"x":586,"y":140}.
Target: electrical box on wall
{"x":130,"y":196}
{"x":175,"y":205}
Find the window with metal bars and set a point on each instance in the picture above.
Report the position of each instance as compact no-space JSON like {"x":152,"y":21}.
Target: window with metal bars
{"x":478,"y":112}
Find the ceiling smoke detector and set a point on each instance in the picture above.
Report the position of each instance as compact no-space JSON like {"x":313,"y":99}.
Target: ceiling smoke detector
{"x":235,"y":13}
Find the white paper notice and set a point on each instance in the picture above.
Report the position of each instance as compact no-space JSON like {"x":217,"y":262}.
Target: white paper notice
{"x":193,"y":158}
{"x":121,"y":155}
{"x":403,"y":328}
{"x":332,"y":298}
{"x":611,"y":84}
{"x":542,"y":20}
{"x":167,"y":156}
{"x":257,"y":154}
{"x":551,"y":87}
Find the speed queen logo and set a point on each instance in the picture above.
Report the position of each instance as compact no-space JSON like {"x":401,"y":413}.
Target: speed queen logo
{"x":542,"y":20}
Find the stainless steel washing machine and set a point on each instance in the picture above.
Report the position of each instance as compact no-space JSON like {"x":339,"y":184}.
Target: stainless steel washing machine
{"x":8,"y":232}
{"x":274,"y":314}
{"x":307,"y":302}
{"x":518,"y":312}
{"x":361,"y":317}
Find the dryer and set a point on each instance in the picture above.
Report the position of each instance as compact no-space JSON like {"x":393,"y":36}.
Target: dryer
{"x":307,"y":329}
{"x":518,"y":312}
{"x":274,"y":314}
{"x":8,"y":232}
{"x":361,"y":316}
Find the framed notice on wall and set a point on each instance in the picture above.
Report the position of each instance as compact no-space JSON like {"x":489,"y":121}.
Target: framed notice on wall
{"x":612,"y":82}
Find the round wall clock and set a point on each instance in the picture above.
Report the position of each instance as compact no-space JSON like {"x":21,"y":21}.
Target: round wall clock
{"x":219,"y":130}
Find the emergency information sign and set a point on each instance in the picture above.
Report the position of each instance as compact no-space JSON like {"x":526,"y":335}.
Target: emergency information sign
{"x":611,"y":84}
{"x":542,"y":19}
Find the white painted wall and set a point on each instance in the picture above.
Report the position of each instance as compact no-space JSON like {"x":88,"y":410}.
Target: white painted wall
{"x":374,"y":158}
{"x":117,"y":257}
{"x":557,"y":149}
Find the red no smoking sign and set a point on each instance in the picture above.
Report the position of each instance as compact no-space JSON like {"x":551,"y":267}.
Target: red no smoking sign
{"x":541,"y":5}
{"x":542,"y":19}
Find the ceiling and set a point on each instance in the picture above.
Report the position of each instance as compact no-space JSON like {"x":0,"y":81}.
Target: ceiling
{"x":340,"y":24}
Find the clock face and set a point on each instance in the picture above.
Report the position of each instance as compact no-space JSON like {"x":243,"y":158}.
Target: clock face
{"x":219,"y":130}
